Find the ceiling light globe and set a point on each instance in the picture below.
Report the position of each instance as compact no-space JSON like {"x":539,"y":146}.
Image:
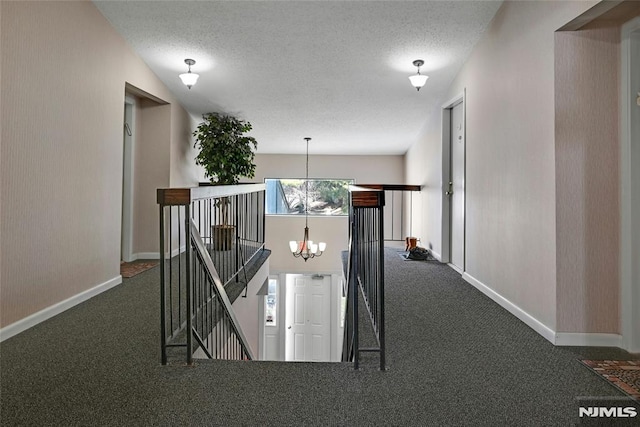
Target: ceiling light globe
{"x":418,"y":80}
{"x":189,"y":79}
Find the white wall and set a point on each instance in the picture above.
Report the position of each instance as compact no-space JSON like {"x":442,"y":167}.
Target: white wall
{"x":64,"y":72}
{"x":332,"y":230}
{"x":364,"y":169}
{"x":151,"y":167}
{"x":247,"y":310}
{"x":280,"y":230}
{"x":510,"y":169}
{"x":588,"y":179}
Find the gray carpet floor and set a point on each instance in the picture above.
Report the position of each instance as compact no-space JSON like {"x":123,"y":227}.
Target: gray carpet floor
{"x":454,"y":358}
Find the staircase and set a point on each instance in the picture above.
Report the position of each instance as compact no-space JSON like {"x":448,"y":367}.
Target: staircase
{"x":204,"y":271}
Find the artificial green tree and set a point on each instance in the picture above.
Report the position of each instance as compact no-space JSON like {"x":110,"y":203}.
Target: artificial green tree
{"x":225,"y":152}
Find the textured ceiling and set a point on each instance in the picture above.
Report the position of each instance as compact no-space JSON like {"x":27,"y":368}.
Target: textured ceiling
{"x":332,"y":70}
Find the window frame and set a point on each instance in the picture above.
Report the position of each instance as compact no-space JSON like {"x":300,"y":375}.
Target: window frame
{"x":349,"y":181}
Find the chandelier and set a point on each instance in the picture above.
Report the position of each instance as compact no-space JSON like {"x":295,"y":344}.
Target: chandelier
{"x":306,"y":249}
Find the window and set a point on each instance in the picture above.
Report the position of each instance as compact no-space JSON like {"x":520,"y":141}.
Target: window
{"x":271,"y":303}
{"x":326,"y":196}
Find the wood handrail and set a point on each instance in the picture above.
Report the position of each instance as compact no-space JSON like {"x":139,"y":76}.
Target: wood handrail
{"x":392,"y":187}
{"x":366,"y":197}
{"x":372,"y":195}
{"x":184,"y":196}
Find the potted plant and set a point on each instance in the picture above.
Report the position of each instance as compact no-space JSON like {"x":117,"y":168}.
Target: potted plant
{"x":226,"y":154}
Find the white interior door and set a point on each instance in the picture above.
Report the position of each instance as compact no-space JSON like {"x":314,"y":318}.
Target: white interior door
{"x":308,"y":318}
{"x":457,"y":185}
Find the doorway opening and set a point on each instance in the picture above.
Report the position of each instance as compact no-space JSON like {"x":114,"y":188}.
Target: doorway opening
{"x":303,"y":318}
{"x":128,"y":130}
{"x":453,"y":182}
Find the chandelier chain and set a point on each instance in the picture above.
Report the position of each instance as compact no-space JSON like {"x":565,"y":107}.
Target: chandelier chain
{"x":306,"y":192}
{"x":306,"y":249}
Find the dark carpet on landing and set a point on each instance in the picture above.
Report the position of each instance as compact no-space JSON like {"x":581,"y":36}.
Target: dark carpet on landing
{"x":455,"y":358}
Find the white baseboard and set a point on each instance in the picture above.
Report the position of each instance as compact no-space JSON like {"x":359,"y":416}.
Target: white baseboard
{"x":178,"y":251}
{"x":456,"y":268}
{"x":529,"y":320}
{"x":47,"y":313}
{"x":568,"y":339}
{"x":436,"y":255}
{"x":145,"y":255}
{"x":588,"y":339}
{"x":154,"y":255}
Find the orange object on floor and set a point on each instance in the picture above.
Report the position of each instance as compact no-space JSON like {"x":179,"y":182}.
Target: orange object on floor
{"x":411,"y":242}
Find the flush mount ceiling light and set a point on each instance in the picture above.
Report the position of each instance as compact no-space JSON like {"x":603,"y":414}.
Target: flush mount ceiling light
{"x":418,"y":80}
{"x":189,"y":78}
{"x":306,"y":249}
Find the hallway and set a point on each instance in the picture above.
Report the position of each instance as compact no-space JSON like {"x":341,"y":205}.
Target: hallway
{"x":454,"y":358}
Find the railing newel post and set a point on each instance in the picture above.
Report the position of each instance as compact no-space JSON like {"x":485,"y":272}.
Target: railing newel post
{"x":366,"y":258}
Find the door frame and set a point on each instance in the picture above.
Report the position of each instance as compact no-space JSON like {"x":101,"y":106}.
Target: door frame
{"x":336,"y":330}
{"x":289,"y":351}
{"x":629,"y":182}
{"x":447,"y":107}
{"x":126,"y":234}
